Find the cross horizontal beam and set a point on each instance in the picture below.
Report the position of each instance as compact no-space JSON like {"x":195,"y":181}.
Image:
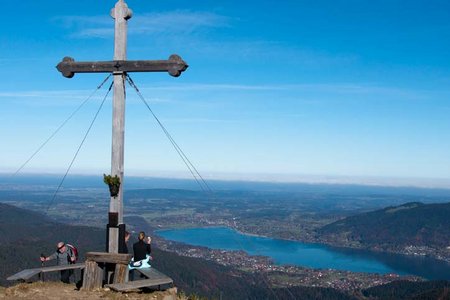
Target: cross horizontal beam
{"x":174,"y":66}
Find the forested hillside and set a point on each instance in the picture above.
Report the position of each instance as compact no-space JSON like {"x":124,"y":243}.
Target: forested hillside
{"x":24,"y":235}
{"x":406,"y":290}
{"x":409,"y":224}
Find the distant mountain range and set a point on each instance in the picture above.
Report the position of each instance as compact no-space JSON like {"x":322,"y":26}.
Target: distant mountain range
{"x":412,"y":223}
{"x":329,"y":185}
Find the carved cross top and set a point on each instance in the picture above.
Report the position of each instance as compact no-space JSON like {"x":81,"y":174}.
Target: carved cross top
{"x":121,"y":13}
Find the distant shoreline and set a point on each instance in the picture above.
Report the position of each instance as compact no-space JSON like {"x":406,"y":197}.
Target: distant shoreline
{"x":320,"y":243}
{"x":274,"y":180}
{"x":362,"y":260}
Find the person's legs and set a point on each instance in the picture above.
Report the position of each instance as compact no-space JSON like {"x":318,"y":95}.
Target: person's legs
{"x":131,"y":275}
{"x":65,"y":276}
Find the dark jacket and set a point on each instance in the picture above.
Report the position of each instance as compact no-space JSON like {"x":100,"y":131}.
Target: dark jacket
{"x":141,"y":250}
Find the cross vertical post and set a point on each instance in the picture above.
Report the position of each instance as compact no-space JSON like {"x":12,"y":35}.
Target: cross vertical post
{"x":120,"y":14}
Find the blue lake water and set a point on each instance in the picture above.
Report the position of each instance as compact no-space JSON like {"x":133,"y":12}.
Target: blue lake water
{"x":316,"y":256}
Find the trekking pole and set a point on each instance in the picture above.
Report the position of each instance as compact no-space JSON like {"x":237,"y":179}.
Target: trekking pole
{"x":42,"y":265}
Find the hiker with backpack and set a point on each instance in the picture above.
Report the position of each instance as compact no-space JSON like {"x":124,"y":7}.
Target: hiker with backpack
{"x":65,"y":254}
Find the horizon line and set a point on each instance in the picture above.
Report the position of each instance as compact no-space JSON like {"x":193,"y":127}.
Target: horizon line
{"x":274,"y":178}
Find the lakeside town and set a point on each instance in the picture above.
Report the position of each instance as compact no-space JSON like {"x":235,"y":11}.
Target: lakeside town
{"x":284,"y":275}
{"x":410,"y":250}
{"x":309,"y":236}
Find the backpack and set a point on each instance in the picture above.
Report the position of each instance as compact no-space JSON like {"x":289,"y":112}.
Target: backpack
{"x":74,"y":252}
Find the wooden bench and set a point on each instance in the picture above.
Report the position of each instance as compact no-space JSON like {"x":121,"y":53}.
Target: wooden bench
{"x":25,"y":275}
{"x":154,"y":279}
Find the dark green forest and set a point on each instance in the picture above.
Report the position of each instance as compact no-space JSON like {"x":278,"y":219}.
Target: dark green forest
{"x":408,"y":224}
{"x":400,"y":290}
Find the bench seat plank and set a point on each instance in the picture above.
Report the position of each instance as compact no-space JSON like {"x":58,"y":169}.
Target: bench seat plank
{"x":64,"y":267}
{"x":28,"y":273}
{"x":132,"y":285}
{"x":152,"y":273}
{"x":154,"y":279}
{"x":24,"y":274}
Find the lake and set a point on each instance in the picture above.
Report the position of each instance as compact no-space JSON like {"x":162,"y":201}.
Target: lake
{"x":310,"y":255}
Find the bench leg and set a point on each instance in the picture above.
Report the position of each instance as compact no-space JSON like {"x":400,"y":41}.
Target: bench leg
{"x":93,"y":276}
{"x":120,"y":273}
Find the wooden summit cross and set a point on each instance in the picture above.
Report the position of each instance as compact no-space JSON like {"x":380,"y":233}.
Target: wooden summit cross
{"x":119,"y":67}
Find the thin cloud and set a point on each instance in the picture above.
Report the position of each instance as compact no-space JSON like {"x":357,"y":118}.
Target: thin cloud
{"x":253,"y":49}
{"x":49,"y":98}
{"x":338,"y":88}
{"x":329,"y":89}
{"x":178,"y":22}
{"x":176,"y":28}
{"x":199,"y":120}
{"x":82,"y":21}
{"x":94,"y":33}
{"x":175,"y":22}
{"x":71,"y":94}
{"x":211,"y":87}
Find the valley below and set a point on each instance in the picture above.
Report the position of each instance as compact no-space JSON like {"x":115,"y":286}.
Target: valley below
{"x":306,"y":213}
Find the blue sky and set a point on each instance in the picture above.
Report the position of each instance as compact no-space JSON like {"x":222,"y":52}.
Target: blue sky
{"x":275,"y":90}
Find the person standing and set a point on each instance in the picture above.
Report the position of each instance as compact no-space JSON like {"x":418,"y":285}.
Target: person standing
{"x":64,"y":256}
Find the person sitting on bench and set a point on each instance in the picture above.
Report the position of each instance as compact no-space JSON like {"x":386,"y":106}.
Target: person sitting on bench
{"x":142,"y":250}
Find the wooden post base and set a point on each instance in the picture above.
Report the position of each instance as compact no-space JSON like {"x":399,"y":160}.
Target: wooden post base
{"x":96,"y":263}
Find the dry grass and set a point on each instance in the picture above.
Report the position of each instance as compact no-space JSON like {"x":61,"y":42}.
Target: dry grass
{"x":57,"y":290}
